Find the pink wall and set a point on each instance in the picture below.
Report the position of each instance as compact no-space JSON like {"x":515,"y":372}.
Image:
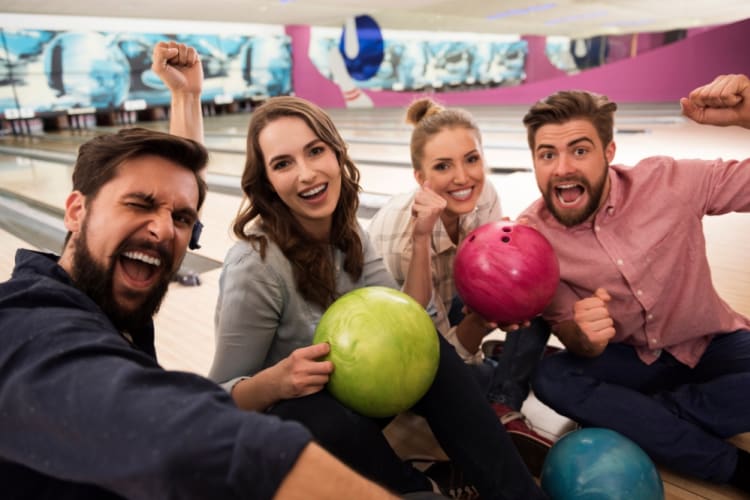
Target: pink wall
{"x":662,"y":74}
{"x":307,"y":81}
{"x":538,"y":65}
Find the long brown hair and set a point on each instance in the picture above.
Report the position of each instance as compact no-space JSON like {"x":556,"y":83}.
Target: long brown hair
{"x":311,"y":260}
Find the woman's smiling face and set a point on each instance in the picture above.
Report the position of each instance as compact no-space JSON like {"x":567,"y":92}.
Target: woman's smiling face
{"x":453,"y":163}
{"x":303,"y":171}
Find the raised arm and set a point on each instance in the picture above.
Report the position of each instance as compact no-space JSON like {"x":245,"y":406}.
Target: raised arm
{"x":179,"y":67}
{"x":723,"y":102}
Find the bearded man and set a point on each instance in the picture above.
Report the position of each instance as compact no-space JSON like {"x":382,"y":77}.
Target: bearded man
{"x":652,"y":351}
{"x":85,"y":409}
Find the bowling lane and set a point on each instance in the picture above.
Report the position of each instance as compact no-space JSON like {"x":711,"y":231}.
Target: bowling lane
{"x":185,"y":339}
{"x":8,"y":245}
{"x":44,"y":182}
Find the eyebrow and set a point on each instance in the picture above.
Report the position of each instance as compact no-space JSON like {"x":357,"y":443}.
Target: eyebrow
{"x":146,"y":197}
{"x":305,"y":147}
{"x":449,"y":159}
{"x":187,"y":212}
{"x":151,"y":200}
{"x":571,"y":143}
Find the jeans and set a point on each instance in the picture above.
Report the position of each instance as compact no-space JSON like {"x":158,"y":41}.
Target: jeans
{"x":678,"y":415}
{"x":459,"y":416}
{"x":507,"y":378}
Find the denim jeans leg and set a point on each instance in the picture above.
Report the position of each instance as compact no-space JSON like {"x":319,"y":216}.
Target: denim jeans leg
{"x":507,"y":379}
{"x":715,"y":399}
{"x":522,"y":351}
{"x":470,"y":433}
{"x":356,"y":440}
{"x":617,"y":390}
{"x":456,"y":314}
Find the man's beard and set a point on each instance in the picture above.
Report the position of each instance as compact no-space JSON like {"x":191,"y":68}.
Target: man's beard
{"x":595,"y":192}
{"x":97,"y":281}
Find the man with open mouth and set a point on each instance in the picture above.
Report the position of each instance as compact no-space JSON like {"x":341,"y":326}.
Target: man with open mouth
{"x":85,"y":409}
{"x":653,"y":352}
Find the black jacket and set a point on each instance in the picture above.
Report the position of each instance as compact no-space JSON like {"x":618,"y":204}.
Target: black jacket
{"x":83,"y":414}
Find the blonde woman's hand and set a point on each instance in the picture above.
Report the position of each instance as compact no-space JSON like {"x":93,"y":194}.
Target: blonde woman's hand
{"x":426,"y":210}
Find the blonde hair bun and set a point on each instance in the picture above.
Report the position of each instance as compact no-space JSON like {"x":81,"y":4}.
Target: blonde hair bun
{"x":421,"y":109}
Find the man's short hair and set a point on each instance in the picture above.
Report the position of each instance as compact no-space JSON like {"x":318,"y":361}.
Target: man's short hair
{"x":99,"y":158}
{"x":567,"y":105}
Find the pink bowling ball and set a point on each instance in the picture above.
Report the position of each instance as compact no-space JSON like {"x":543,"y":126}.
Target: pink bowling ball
{"x":506,"y":272}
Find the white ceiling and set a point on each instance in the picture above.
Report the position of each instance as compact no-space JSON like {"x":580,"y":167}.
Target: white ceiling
{"x":573,"y":18}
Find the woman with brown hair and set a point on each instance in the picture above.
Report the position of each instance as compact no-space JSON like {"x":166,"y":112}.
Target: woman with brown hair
{"x":300,"y":247}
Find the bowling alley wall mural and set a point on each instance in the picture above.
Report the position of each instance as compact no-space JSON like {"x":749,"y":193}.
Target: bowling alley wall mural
{"x":361,"y":56}
{"x":51,"y":65}
{"x":52,"y":70}
{"x":480,"y":69}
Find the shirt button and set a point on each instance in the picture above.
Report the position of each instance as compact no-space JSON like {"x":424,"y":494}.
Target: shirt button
{"x":639,"y":292}
{"x":654,"y":341}
{"x":619,"y":262}
{"x":650,"y":316}
{"x":597,"y":228}
{"x":657,"y":353}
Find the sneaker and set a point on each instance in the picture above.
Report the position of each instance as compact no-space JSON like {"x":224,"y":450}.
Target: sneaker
{"x":532,"y":447}
{"x":451,"y":481}
{"x":187,"y":277}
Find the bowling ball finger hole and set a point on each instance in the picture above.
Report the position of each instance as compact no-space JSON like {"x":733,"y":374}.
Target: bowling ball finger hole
{"x":505,"y":239}
{"x":507,"y":229}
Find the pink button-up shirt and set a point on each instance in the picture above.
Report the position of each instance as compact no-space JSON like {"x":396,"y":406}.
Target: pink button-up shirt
{"x":646,"y":247}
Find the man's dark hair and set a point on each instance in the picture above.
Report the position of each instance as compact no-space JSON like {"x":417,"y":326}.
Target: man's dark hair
{"x":567,"y":105}
{"x":99,"y":158}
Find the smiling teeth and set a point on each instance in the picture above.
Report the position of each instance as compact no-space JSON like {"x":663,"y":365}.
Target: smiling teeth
{"x":154,"y":261}
{"x":313,"y":191}
{"x":464,"y":193}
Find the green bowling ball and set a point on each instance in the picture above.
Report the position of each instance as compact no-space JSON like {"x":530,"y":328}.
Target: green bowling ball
{"x":384,"y":348}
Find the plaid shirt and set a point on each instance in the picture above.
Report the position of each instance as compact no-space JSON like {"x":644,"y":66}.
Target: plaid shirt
{"x":391,"y":230}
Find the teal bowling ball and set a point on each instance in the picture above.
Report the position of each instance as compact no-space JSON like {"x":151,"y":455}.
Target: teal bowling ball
{"x":599,"y":464}
{"x":384,"y":348}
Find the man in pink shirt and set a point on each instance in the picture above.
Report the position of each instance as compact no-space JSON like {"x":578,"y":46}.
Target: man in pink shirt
{"x":652,"y":351}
